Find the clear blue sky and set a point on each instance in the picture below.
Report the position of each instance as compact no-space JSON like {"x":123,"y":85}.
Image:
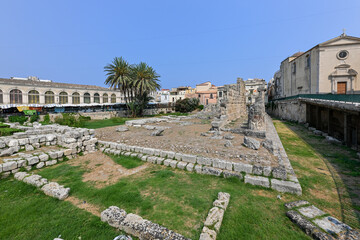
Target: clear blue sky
{"x":187,"y":42}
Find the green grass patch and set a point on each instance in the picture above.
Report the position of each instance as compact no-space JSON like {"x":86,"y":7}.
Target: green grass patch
{"x":94,"y":124}
{"x":27,"y":213}
{"x":126,"y":161}
{"x":9,"y":131}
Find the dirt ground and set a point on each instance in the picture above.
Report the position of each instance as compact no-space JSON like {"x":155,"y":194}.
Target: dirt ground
{"x":187,"y":139}
{"x":102,"y":170}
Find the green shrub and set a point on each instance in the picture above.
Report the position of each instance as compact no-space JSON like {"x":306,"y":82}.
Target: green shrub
{"x":85,"y":118}
{"x":2,"y":119}
{"x":200,"y":107}
{"x":34,"y":118}
{"x":70,"y":120}
{"x":19,"y":119}
{"x":187,"y":105}
{"x":2,"y":125}
{"x":46,"y":119}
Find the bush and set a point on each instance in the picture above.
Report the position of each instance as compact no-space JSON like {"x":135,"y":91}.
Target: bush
{"x":2,"y":119}
{"x":85,"y":118}
{"x":2,"y":125}
{"x":34,"y":118}
{"x":200,"y":107}
{"x":46,"y":119}
{"x":70,"y":120}
{"x":187,"y":105}
{"x":19,"y":119}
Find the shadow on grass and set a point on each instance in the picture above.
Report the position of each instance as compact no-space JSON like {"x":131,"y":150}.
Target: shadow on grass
{"x":343,"y":165}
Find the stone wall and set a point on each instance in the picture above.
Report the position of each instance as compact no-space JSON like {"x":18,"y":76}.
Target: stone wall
{"x":292,"y":110}
{"x":69,"y":141}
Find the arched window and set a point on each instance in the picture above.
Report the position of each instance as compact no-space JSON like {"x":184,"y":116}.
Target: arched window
{"x":49,"y":97}
{"x":96,"y":98}
{"x":87,"y":98}
{"x":1,"y":96}
{"x":105,"y":98}
{"x":33,"y":97}
{"x":113,"y":98}
{"x":76,"y":98}
{"x":63,"y":98}
{"x":15,"y":96}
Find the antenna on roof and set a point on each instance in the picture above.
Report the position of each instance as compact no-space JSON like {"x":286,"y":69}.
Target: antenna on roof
{"x":344,"y":32}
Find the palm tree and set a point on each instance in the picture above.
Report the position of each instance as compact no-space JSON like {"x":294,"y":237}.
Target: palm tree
{"x":118,"y":76}
{"x":145,"y":79}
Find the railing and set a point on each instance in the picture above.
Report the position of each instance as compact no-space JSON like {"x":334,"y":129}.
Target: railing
{"x":348,"y":98}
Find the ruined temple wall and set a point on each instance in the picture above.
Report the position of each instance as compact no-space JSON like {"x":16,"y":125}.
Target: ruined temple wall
{"x":292,"y":110}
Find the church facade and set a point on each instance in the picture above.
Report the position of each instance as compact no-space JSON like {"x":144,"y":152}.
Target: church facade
{"x":329,"y":67}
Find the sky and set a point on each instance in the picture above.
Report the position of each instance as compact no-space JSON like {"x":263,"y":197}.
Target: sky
{"x":186,"y":41}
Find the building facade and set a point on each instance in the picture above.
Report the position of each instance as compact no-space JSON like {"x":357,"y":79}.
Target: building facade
{"x":32,"y":90}
{"x":163,"y":96}
{"x":252,"y":89}
{"x":329,"y":67}
{"x":206,"y":92}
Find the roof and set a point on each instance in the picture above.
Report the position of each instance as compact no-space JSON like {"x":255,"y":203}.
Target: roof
{"x":51,"y":84}
{"x":204,"y":84}
{"x":342,"y":36}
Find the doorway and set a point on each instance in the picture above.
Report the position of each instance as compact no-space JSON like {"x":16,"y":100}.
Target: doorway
{"x":341,"y":88}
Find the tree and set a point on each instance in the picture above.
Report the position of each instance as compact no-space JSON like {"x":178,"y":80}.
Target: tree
{"x":118,"y":76}
{"x":135,"y":82}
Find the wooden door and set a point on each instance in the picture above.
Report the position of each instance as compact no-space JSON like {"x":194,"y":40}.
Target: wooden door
{"x":341,"y":88}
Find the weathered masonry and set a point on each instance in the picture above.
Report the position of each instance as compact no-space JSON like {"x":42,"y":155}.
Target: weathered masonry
{"x":338,"y":119}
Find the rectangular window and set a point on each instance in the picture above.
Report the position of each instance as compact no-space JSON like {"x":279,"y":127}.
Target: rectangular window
{"x":294,"y":68}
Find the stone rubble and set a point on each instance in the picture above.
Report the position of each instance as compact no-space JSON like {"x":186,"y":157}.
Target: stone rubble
{"x":215,"y":216}
{"x":51,"y":189}
{"x":317,"y":224}
{"x":137,"y":226}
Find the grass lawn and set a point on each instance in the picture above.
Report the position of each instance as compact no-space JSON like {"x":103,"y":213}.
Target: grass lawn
{"x":126,"y":161}
{"x":94,"y":124}
{"x":176,"y":199}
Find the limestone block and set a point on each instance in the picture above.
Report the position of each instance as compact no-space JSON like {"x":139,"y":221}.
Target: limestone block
{"x":13,"y":143}
{"x":296,"y":204}
{"x":1,"y":169}
{"x":207,"y":234}
{"x":222,"y":201}
{"x":228,"y":165}
{"x":131,"y":224}
{"x":50,"y":137}
{"x":55,"y":190}
{"x":189,"y":158}
{"x":217,"y":163}
{"x":152,"y":159}
{"x":311,"y":211}
{"x":251,"y":143}
{"x":40,"y":165}
{"x":257,"y":170}
{"x":5,"y":175}
{"x":211,"y":171}
{"x":20,"y":175}
{"x":214,"y":218}
{"x":257,"y":180}
{"x":144,"y":158}
{"x":125,"y":154}
{"x":159,"y":160}
{"x":331,"y":225}
{"x":332,"y":140}
{"x":53,"y":155}
{"x":173,"y":163}
{"x":2,"y":144}
{"x":182,"y":165}
{"x":32,"y":160}
{"x":190,"y":167}
{"x":302,"y":222}
{"x":122,"y":129}
{"x":228,"y":174}
{"x":21,"y":163}
{"x":178,"y":156}
{"x":67,"y":152}
{"x":114,"y":216}
{"x":51,"y":162}
{"x":29,"y":147}
{"x":279,"y":172}
{"x":204,"y":161}
{"x":267,"y":171}
{"x":198,"y":168}
{"x":286,"y":186}
{"x":23,"y":141}
{"x":148,"y":151}
{"x":167,"y":162}
{"x":131,"y":155}
{"x":242,"y":167}
{"x":35,"y":180}
{"x":9,"y":151}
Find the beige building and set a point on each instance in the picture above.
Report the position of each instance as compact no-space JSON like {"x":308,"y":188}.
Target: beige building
{"x":32,"y":90}
{"x":329,"y":67}
{"x":252,"y":86}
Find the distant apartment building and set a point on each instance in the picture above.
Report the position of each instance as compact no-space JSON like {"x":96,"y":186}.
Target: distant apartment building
{"x":178,"y":93}
{"x":32,"y":90}
{"x":329,"y":67}
{"x":252,"y":87}
{"x":163,"y":96}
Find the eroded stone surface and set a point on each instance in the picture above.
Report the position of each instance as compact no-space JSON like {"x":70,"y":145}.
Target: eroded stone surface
{"x":331,"y":225}
{"x":311,"y":211}
{"x":56,"y":190}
